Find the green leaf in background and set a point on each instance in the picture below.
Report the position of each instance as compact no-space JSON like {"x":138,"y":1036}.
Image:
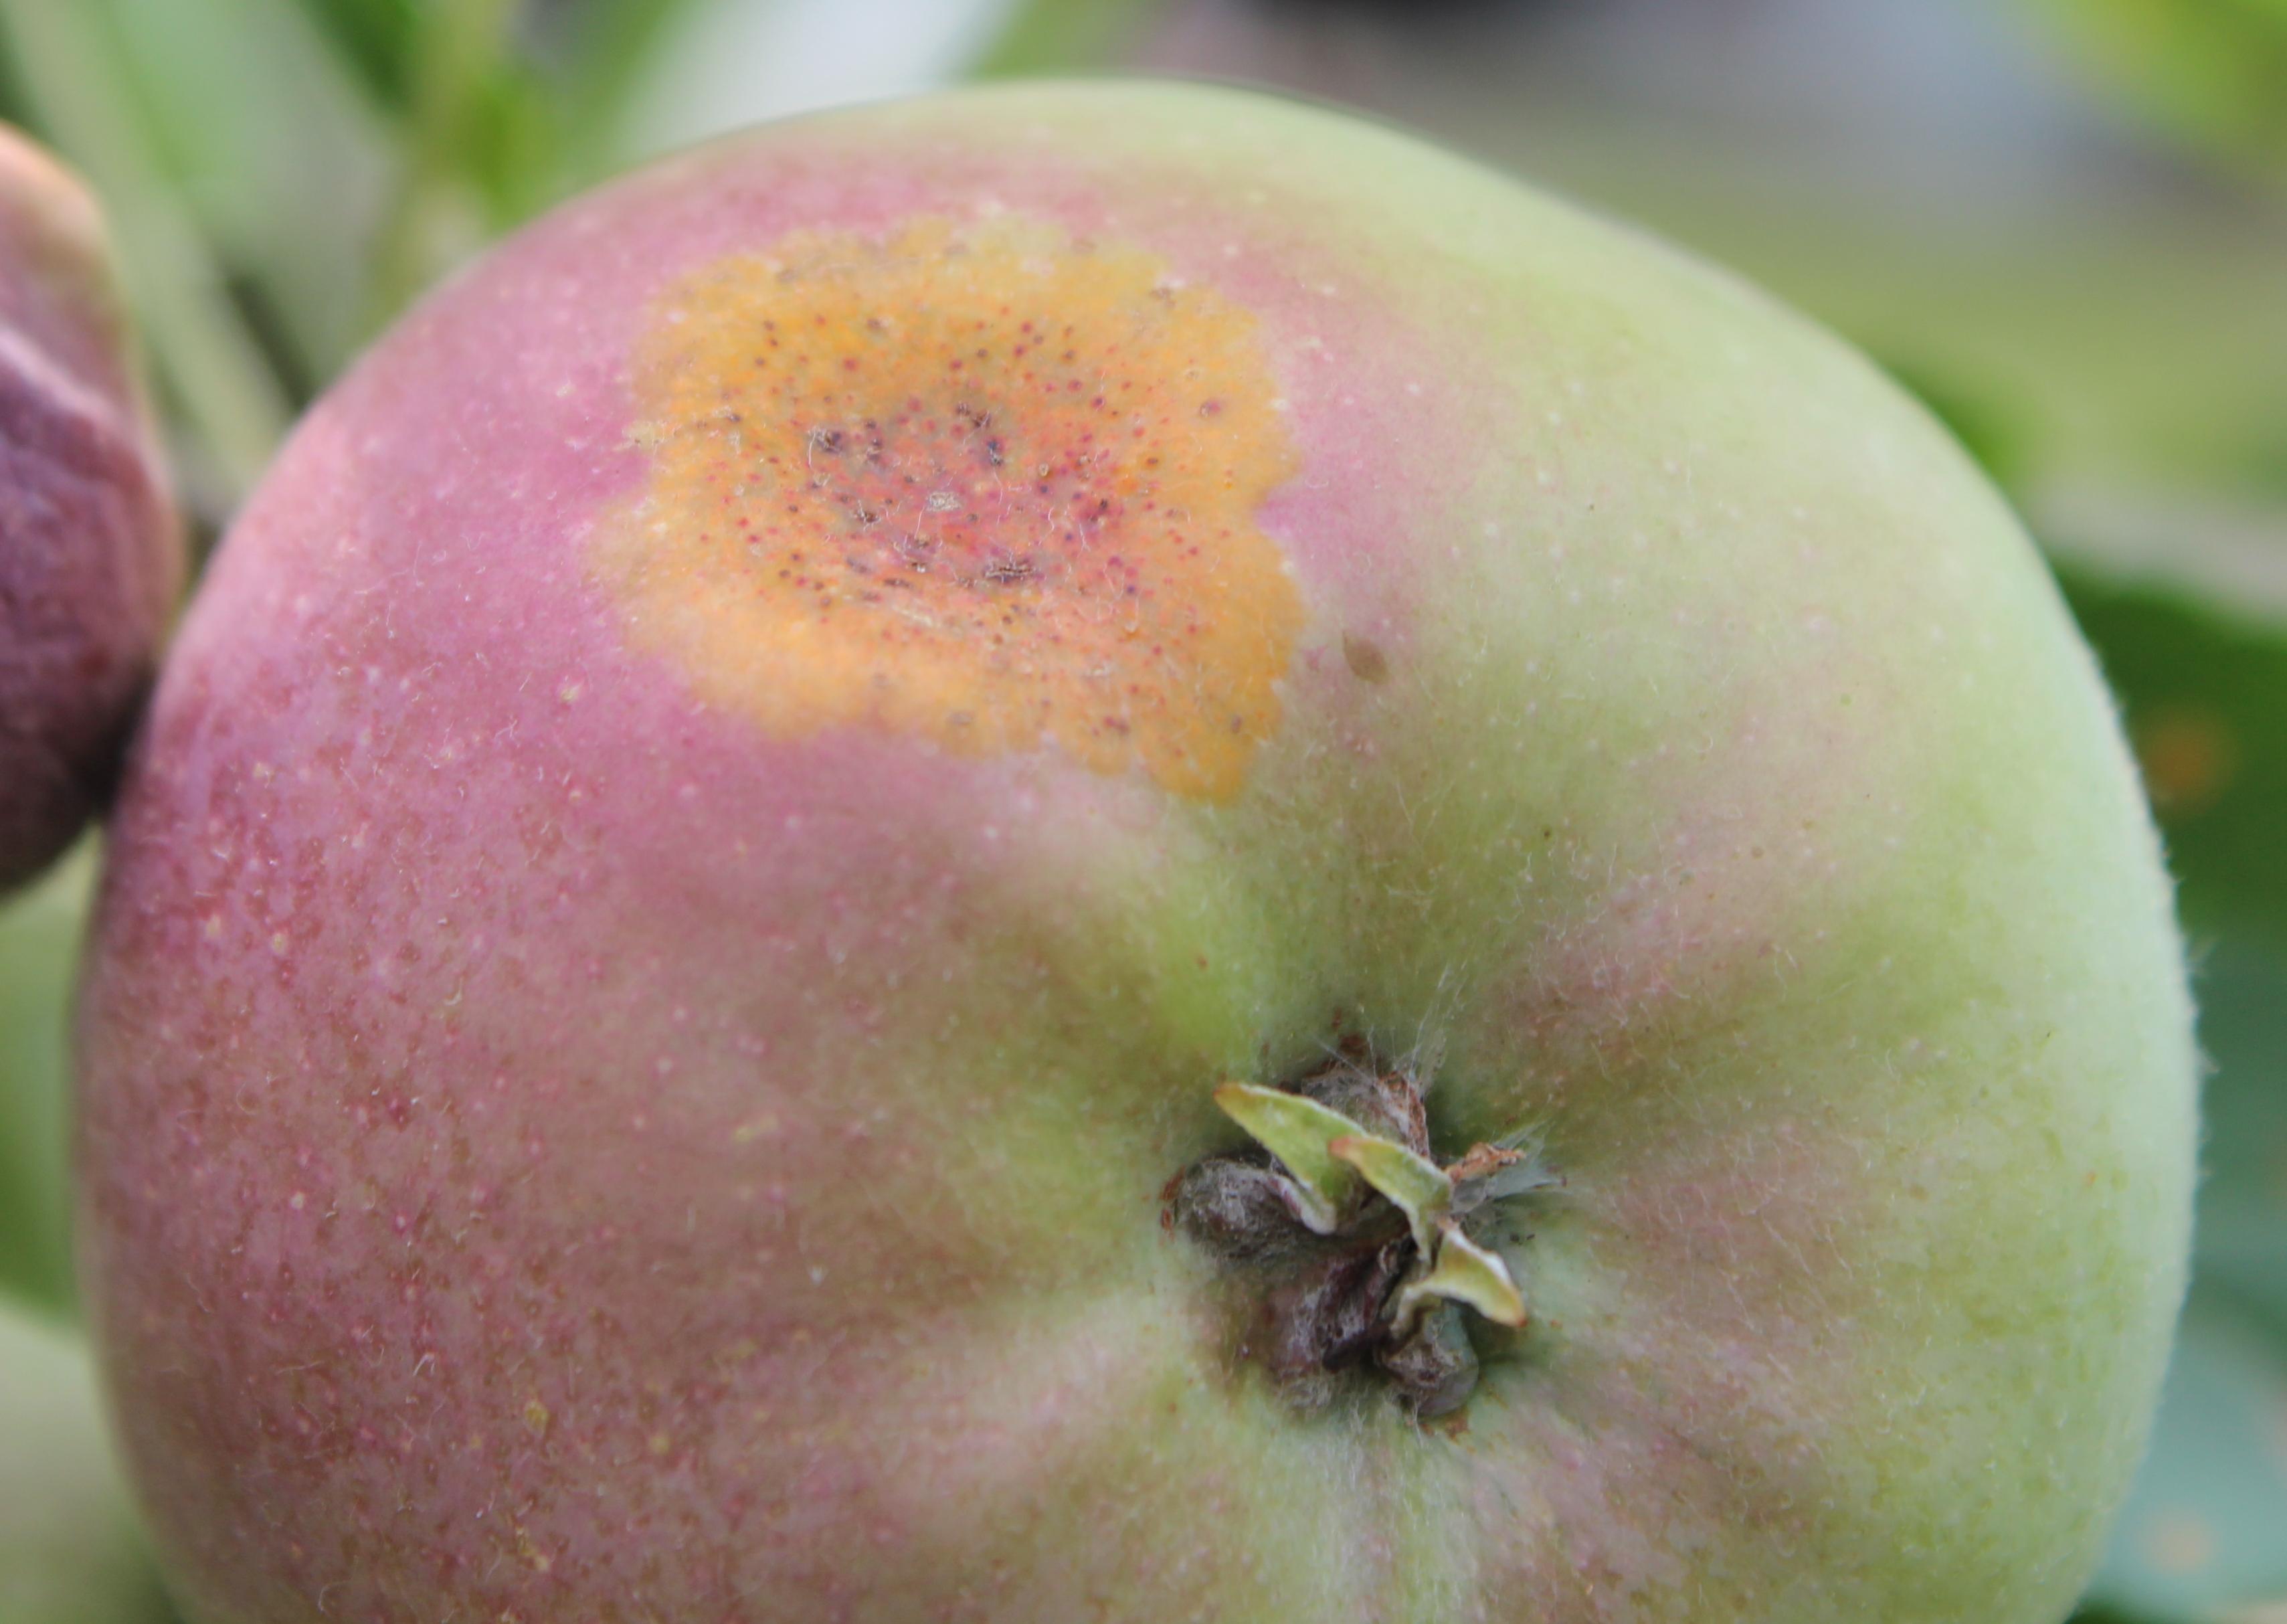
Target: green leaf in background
{"x":2203,"y":1537}
{"x":2213,"y":70}
{"x":2124,"y":317}
{"x":39,"y":952}
{"x":2205,"y":696}
{"x":286,"y":176}
{"x":376,"y":37}
{"x":69,"y":85}
{"x":2200,"y":1540}
{"x":2242,"y":1241}
{"x":597,"y":50}
{"x":2203,"y":693}
{"x":269,"y":136}
{"x":1045,"y":36}
{"x":476,"y":154}
{"x":283,"y":176}
{"x":69,"y":1549}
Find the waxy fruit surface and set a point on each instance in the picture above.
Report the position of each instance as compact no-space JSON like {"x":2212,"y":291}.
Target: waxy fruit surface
{"x":724,"y":821}
{"x":91,"y":556}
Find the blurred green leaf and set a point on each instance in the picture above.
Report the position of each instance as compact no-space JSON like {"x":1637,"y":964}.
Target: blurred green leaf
{"x":284,"y":175}
{"x":1988,"y":430}
{"x":39,"y":950}
{"x":2213,"y":70}
{"x":70,"y":1552}
{"x":265,"y":130}
{"x":597,"y":50}
{"x":69,"y":64}
{"x":2124,"y":329}
{"x":2200,"y":1539}
{"x":475,"y":155}
{"x":2242,"y":1240}
{"x":1044,"y":37}
{"x":2204,"y":697}
{"x":374,"y":36}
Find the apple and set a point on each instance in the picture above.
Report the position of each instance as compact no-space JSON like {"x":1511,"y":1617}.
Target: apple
{"x":91,"y":557}
{"x":1116,"y":851}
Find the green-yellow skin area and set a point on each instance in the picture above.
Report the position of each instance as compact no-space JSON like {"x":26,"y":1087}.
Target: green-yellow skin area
{"x":569,"y":1136}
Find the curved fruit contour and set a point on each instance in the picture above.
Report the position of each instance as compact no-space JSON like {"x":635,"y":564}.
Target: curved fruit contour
{"x":724,"y":816}
{"x":91,"y":555}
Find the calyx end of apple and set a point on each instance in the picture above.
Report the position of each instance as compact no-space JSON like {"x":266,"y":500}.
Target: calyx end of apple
{"x":1355,"y":1239}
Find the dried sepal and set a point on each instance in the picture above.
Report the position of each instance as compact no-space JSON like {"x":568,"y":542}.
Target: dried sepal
{"x":1434,"y":1367}
{"x":1358,"y":1232}
{"x":1387,"y":1104}
{"x":1461,"y":1271}
{"x":1495,"y":1172}
{"x":1330,"y":1316}
{"x":1414,"y":1184}
{"x":1243,"y":1211}
{"x":1297,"y":1130}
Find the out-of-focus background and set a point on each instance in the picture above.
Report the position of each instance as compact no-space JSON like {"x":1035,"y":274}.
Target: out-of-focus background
{"x":2063,"y":223}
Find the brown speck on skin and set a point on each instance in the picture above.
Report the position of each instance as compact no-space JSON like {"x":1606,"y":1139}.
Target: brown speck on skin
{"x":1364,"y":658}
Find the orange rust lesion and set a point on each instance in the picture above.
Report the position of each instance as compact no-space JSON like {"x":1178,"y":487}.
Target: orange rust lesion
{"x":986,"y":484}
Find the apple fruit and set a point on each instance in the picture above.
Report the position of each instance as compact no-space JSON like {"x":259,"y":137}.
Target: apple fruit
{"x":1116,"y":851}
{"x":91,"y":556}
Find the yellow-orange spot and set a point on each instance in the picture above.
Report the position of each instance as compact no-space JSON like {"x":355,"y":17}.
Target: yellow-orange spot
{"x":988,"y":486}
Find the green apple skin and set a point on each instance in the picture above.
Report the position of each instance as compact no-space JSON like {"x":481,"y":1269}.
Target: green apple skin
{"x":90,"y":553}
{"x":631,"y":1069}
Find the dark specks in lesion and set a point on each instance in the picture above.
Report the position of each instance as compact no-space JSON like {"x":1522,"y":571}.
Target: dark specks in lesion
{"x":1007,"y":569}
{"x":1365,"y":658}
{"x":980,"y":420}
